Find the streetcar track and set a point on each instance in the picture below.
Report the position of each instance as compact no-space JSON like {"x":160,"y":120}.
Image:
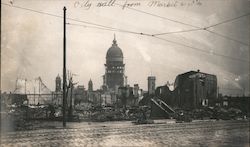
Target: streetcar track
{"x":106,"y":130}
{"x":92,"y":128}
{"x":118,"y":131}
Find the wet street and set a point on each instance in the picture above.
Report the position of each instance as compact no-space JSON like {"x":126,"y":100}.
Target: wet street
{"x":163,"y":133}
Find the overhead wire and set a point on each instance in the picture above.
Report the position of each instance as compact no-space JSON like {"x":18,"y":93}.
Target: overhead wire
{"x":181,"y":44}
{"x":175,"y":32}
{"x":229,"y":38}
{"x":116,"y":30}
{"x":192,"y":30}
{"x":76,"y":20}
{"x":87,"y":26}
{"x":32,"y":10}
{"x":197,"y":27}
{"x":229,"y":20}
{"x":103,"y":27}
{"x":202,"y":50}
{"x":191,"y":25}
{"x":144,"y":12}
{"x":58,"y":16}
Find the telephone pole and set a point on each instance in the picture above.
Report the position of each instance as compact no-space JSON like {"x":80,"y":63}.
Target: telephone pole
{"x":64,"y":67}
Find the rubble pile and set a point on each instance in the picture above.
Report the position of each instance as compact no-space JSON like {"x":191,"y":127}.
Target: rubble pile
{"x":14,"y":118}
{"x":205,"y":113}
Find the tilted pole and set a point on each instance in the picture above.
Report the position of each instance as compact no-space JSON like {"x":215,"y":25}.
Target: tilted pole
{"x":64,"y":67}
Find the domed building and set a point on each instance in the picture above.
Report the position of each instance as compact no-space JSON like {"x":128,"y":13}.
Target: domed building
{"x":114,"y":67}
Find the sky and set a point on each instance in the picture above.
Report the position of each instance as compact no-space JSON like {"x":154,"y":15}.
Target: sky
{"x":32,"y":43}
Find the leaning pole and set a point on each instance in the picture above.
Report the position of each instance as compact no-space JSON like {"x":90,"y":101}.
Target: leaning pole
{"x":64,"y":67}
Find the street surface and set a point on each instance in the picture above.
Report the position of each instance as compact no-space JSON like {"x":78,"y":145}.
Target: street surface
{"x":118,"y":134}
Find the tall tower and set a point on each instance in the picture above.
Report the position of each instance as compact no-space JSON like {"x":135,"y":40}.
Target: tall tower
{"x":151,"y":84}
{"x":90,"y":86}
{"x":58,"y":83}
{"x":114,"y":67}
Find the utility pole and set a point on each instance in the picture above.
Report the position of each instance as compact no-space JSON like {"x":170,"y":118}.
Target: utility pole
{"x":64,"y":67}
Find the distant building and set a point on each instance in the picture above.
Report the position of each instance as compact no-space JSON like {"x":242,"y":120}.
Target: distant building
{"x":58,"y":84}
{"x":108,"y":98}
{"x":57,"y":95}
{"x":239,"y":102}
{"x":90,"y":86}
{"x":90,"y":93}
{"x":151,"y":85}
{"x":80,"y":95}
{"x":96,"y":97}
{"x":114,"y":67}
{"x":136,"y":91}
{"x":129,"y":96}
{"x":194,"y":89}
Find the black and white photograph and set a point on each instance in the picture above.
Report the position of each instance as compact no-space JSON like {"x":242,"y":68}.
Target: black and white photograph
{"x":125,"y":73}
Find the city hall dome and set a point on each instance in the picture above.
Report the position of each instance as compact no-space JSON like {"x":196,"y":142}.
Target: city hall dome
{"x":114,"y":53}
